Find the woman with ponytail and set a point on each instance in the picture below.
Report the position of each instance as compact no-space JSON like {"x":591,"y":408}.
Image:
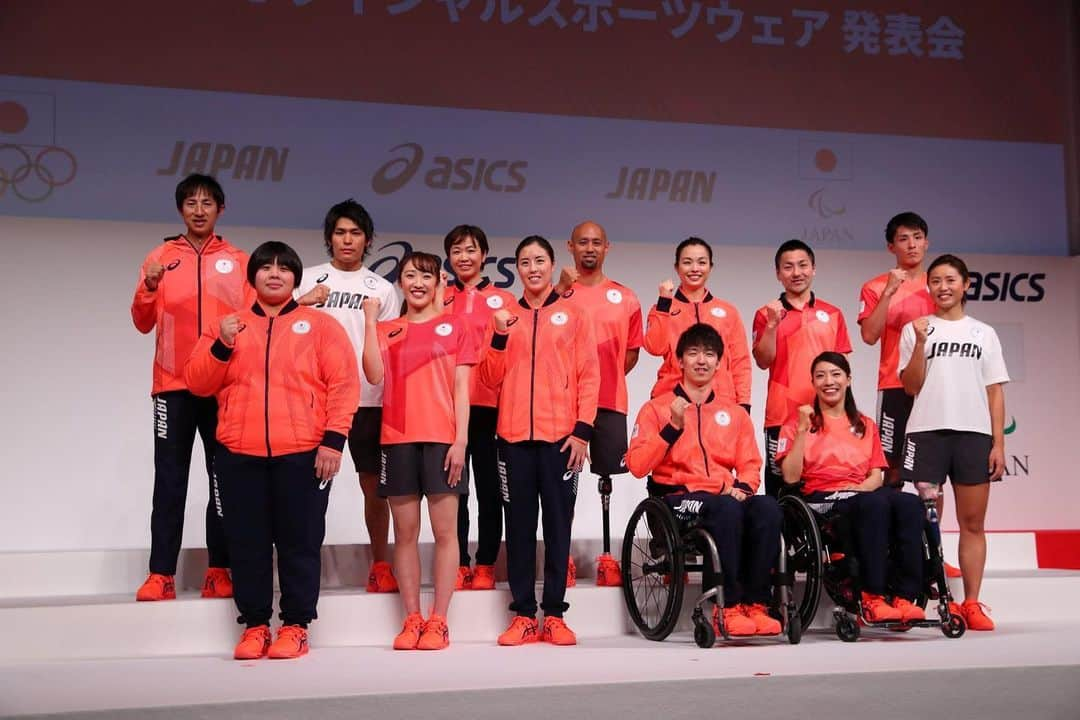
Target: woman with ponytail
{"x":832,"y":452}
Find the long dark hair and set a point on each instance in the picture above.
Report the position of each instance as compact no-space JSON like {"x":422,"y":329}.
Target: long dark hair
{"x":850,"y":409}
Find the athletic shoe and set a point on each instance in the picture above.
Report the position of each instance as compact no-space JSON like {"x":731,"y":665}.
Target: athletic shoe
{"x":217,"y":584}
{"x":607,"y":571}
{"x":764,"y":623}
{"x":291,"y":643}
{"x":381,"y":578}
{"x":556,"y":632}
{"x":157,"y":587}
{"x":952,"y":571}
{"x":975,"y":615}
{"x":521,"y":631}
{"x":410,"y":632}
{"x":875,"y":609}
{"x":436,"y":635}
{"x":909,"y":611}
{"x":483,"y":577}
{"x":463,"y":581}
{"x":571,"y":572}
{"x":735,"y":622}
{"x":253,"y":644}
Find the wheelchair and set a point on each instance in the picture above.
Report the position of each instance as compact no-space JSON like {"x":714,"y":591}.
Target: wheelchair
{"x":658,"y":551}
{"x":819,"y":552}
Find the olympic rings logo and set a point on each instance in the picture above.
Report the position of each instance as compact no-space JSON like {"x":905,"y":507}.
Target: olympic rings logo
{"x":34,"y":177}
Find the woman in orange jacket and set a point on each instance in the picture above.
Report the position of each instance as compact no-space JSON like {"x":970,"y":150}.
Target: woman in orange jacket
{"x":543,"y":355}
{"x":677,"y":309}
{"x":287,"y":385}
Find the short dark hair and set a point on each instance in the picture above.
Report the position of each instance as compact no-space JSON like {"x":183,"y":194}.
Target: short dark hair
{"x":905,"y":219}
{"x":692,"y":241}
{"x":424,"y":262}
{"x":192,"y":184}
{"x":461,"y":233}
{"x":350,"y":210}
{"x":792,"y":246}
{"x":702,"y":336}
{"x":954,"y":262}
{"x":535,"y":240}
{"x":275,"y":252}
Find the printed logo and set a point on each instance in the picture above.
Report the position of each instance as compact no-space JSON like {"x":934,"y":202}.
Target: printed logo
{"x":614,"y":296}
{"x":322,"y":278}
{"x":382,"y":468}
{"x":224,"y":266}
{"x":371,"y":283}
{"x":448,"y":173}
{"x":718,"y":312}
{"x":722,"y":418}
{"x":559,"y":318}
{"x":494,"y":302}
{"x":504,"y":483}
{"x":909,"y":454}
{"x":1011,"y":427}
{"x":673,"y":186}
{"x":781,"y":445}
{"x":636,"y":431}
{"x":173,"y":265}
{"x":1000,"y":287}
{"x":249,"y":162}
{"x":822,"y":316}
{"x":161,"y":418}
{"x":976,"y":332}
{"x":388,"y":265}
{"x":444,"y":329}
{"x":301,"y":327}
{"x":689,"y":507}
{"x":37,"y":166}
{"x":395,"y":333}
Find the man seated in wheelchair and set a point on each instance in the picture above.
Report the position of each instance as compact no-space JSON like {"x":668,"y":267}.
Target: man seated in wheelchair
{"x":832,"y":453}
{"x":701,"y":452}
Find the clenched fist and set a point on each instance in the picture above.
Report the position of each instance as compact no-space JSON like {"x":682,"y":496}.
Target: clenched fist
{"x":774,"y":312}
{"x":667,"y":289}
{"x":922,"y":329}
{"x":315,"y":296}
{"x":806,"y":416}
{"x":894,"y":281}
{"x":678,"y":412}
{"x":230,"y":327}
{"x":153,"y":271}
{"x":502,"y":319}
{"x":371,"y":307}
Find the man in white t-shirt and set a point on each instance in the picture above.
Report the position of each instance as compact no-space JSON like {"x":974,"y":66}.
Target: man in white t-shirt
{"x":339,"y":288}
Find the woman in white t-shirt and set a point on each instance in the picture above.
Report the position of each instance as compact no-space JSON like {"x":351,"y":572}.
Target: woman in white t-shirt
{"x":953,"y":365}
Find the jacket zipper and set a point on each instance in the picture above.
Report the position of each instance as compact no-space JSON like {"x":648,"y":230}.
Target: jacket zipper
{"x":532,"y":374}
{"x":266,"y":388}
{"x":697,"y":312}
{"x":701,"y":443}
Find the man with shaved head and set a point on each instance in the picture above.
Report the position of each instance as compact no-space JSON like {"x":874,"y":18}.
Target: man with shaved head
{"x":615,"y":314}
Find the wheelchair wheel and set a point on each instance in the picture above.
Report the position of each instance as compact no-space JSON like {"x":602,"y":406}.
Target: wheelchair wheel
{"x":955,"y":628}
{"x":803,"y":542}
{"x":847,"y":629}
{"x":704,"y":634}
{"x":652,"y":569}
{"x":794,"y":628}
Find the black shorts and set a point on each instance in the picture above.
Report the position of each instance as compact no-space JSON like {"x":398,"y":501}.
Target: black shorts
{"x":607,"y":451}
{"x":417,"y":469}
{"x":936,"y":454}
{"x":894,"y":409}
{"x":364,"y":440}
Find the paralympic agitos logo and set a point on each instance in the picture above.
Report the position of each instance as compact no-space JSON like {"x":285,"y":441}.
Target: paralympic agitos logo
{"x":444,"y":172}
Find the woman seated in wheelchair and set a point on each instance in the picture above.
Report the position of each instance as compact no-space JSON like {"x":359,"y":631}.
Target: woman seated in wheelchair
{"x":704,"y":461}
{"x":832,"y":452}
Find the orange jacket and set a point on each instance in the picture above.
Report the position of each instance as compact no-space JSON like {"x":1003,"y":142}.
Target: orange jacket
{"x":547,"y":367}
{"x":670,"y":317}
{"x":288,"y":384}
{"x":476,"y":305}
{"x":714,"y":451}
{"x":197,"y":289}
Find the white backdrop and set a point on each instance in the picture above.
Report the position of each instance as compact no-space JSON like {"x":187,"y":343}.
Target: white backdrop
{"x":77,"y":443}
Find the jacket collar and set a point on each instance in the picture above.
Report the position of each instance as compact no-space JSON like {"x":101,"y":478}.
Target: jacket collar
{"x":551,"y":298}
{"x":682,"y":298}
{"x":789,"y":307}
{"x":479,"y":286}
{"x":679,"y":392}
{"x":289,"y":307}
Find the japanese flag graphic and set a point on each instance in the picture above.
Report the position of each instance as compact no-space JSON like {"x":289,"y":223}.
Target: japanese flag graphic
{"x":825,"y":160}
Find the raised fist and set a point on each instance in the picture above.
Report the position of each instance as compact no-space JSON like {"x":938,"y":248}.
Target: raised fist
{"x":371,"y":307}
{"x":567,"y":277}
{"x":806,"y":415}
{"x":230,"y":327}
{"x":678,"y":412}
{"x":667,"y":289}
{"x":153,"y":271}
{"x":895,"y":280}
{"x":315,"y":296}
{"x":922,"y":328}
{"x":774,"y":311}
{"x":502,"y":319}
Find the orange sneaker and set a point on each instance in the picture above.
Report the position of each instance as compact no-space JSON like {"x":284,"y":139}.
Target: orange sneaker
{"x":291,"y":643}
{"x":157,"y":587}
{"x":381,"y":578}
{"x":735,"y":622}
{"x":483,"y":577}
{"x":436,"y":635}
{"x":521,"y":631}
{"x":765,"y":623}
{"x":909,"y":611}
{"x":217,"y":583}
{"x":253,"y":643}
{"x":951,"y":571}
{"x":975,"y":615}
{"x":607,"y":571}
{"x":875,"y":609}
{"x":571,"y":572}
{"x":463,"y":581}
{"x":557,"y":633}
{"x":410,"y":632}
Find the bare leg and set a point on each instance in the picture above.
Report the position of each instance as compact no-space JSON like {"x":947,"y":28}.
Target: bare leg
{"x":971,"y":501}
{"x":406,"y":513}
{"x":443,"y":509}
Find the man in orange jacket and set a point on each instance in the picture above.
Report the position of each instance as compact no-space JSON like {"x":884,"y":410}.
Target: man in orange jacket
{"x":704,"y":462}
{"x":185,"y":286}
{"x":287,"y":382}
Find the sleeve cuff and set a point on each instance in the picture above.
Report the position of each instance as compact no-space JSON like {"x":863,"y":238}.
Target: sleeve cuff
{"x":670,"y":433}
{"x":582,"y":431}
{"x":663,"y":304}
{"x":746,"y":407}
{"x":333,"y":440}
{"x":221,"y":351}
{"x":744,"y":487}
{"x":499,"y":340}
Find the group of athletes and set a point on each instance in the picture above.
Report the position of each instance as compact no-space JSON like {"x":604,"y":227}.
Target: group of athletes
{"x":279,"y":367}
